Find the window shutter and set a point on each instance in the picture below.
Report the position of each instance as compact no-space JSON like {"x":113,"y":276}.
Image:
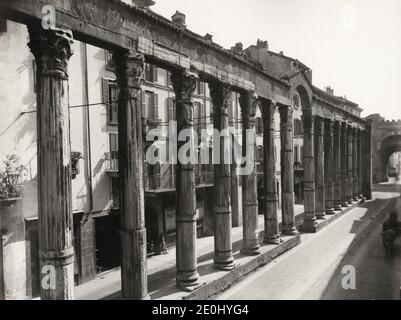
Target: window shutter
{"x":105,"y":91}
{"x":156,"y":105}
{"x":170,"y":106}
{"x":202,"y":88}
{"x":168,"y":80}
{"x":143,"y":104}
{"x":155,"y":74}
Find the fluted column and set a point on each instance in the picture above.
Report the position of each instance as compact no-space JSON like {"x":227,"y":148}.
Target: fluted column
{"x":350,"y":165}
{"x":250,"y":244}
{"x":287,"y":171}
{"x":223,"y":257}
{"x":52,"y":51}
{"x":319,"y":167}
{"x":367,"y":161}
{"x":360,"y":164}
{"x":344,"y":165}
{"x":337,"y":165}
{"x":272,"y":231}
{"x":184,"y":84}
{"x":129,"y":72}
{"x":328,"y":166}
{"x":355,"y":164}
{"x":309,"y":223}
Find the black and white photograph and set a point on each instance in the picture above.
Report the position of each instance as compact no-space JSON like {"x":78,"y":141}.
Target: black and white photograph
{"x":222,"y":151}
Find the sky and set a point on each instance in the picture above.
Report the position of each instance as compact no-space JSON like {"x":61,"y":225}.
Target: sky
{"x":354,"y":46}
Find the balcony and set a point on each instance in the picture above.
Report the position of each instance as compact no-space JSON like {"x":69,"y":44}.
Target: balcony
{"x":111,"y":160}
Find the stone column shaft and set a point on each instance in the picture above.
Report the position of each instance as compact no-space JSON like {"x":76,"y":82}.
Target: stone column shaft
{"x":309,"y":171}
{"x":129,"y":72}
{"x":287,"y":171}
{"x":250,"y":243}
{"x":350,"y":165}
{"x":355,"y":164}
{"x":337,"y":166}
{"x":328,"y":167}
{"x":319,"y":167}
{"x":360,"y":164}
{"x":52,"y":51}
{"x":344,"y":166}
{"x":367,"y":162}
{"x":184,"y":84}
{"x":223,"y":257}
{"x":272,"y":231}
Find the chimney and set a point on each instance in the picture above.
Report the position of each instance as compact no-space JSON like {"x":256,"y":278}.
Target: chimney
{"x":330,"y":90}
{"x":179,"y":19}
{"x":262,"y":44}
{"x":238,"y":48}
{"x":208,"y":37}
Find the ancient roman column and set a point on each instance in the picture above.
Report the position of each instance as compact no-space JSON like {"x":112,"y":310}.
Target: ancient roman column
{"x":184,"y":84}
{"x":344,"y":165}
{"x":287,"y":171}
{"x":355,"y":164}
{"x":367,"y":161}
{"x":129,"y":72}
{"x":309,"y":222}
{"x":337,"y":165}
{"x":360,"y":164}
{"x":319,"y":167}
{"x":328,"y":166}
{"x":350,"y":165}
{"x":52,"y":51}
{"x":223,"y":256}
{"x":250,"y":244}
{"x":272,"y":231}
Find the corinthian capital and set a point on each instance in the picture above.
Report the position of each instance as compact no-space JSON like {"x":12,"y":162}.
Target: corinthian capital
{"x":52,"y":49}
{"x":129,"y":68}
{"x":184,"y":84}
{"x":221,"y":96}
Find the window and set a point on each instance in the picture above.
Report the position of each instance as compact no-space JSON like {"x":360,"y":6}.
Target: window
{"x":110,"y":98}
{"x":296,"y":154}
{"x":199,"y":118}
{"x":171,"y":109}
{"x":151,"y":105}
{"x":296,"y":102}
{"x":108,"y":61}
{"x":200,"y":88}
{"x":113,"y":146}
{"x":298,"y":128}
{"x":151,"y":73}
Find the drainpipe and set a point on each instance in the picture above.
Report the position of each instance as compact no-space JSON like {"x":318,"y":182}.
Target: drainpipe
{"x":87,"y":141}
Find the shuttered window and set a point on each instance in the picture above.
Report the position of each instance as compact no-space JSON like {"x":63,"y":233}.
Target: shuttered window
{"x":110,"y":99}
{"x":151,"y":73}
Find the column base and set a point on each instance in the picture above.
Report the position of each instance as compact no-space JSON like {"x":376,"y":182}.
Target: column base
{"x":345,"y":205}
{"x":272,"y":240}
{"x":188,"y":281}
{"x":289,"y":230}
{"x":250,"y":251}
{"x":330,"y":211}
{"x":309,"y":226}
{"x":338,"y":207}
{"x":320,"y":216}
{"x":147,"y":297}
{"x":224,"y":266}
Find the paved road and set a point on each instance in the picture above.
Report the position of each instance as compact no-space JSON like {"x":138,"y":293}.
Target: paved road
{"x":313,"y":270}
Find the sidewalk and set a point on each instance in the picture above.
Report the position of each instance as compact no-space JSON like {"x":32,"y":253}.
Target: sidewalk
{"x":161,"y":269}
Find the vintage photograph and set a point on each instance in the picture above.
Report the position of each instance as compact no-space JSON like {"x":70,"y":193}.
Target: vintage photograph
{"x":215,"y":150}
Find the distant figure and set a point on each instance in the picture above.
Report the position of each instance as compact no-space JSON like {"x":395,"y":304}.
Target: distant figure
{"x":391,"y":229}
{"x":151,"y":247}
{"x":162,"y":244}
{"x":392,"y":223}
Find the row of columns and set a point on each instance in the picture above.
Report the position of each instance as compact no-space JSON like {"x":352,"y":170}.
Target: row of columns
{"x":334,"y":166}
{"x":52,"y":50}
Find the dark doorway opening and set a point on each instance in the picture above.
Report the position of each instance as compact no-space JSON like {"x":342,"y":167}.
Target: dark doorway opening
{"x":108,"y":244}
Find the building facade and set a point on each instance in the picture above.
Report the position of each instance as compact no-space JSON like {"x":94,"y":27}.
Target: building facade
{"x":278,"y":100}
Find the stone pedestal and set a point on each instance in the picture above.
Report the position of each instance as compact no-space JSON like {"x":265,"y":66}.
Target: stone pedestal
{"x":13,"y":275}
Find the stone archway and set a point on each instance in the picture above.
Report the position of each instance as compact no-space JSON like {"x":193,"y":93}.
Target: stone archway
{"x":386,"y":147}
